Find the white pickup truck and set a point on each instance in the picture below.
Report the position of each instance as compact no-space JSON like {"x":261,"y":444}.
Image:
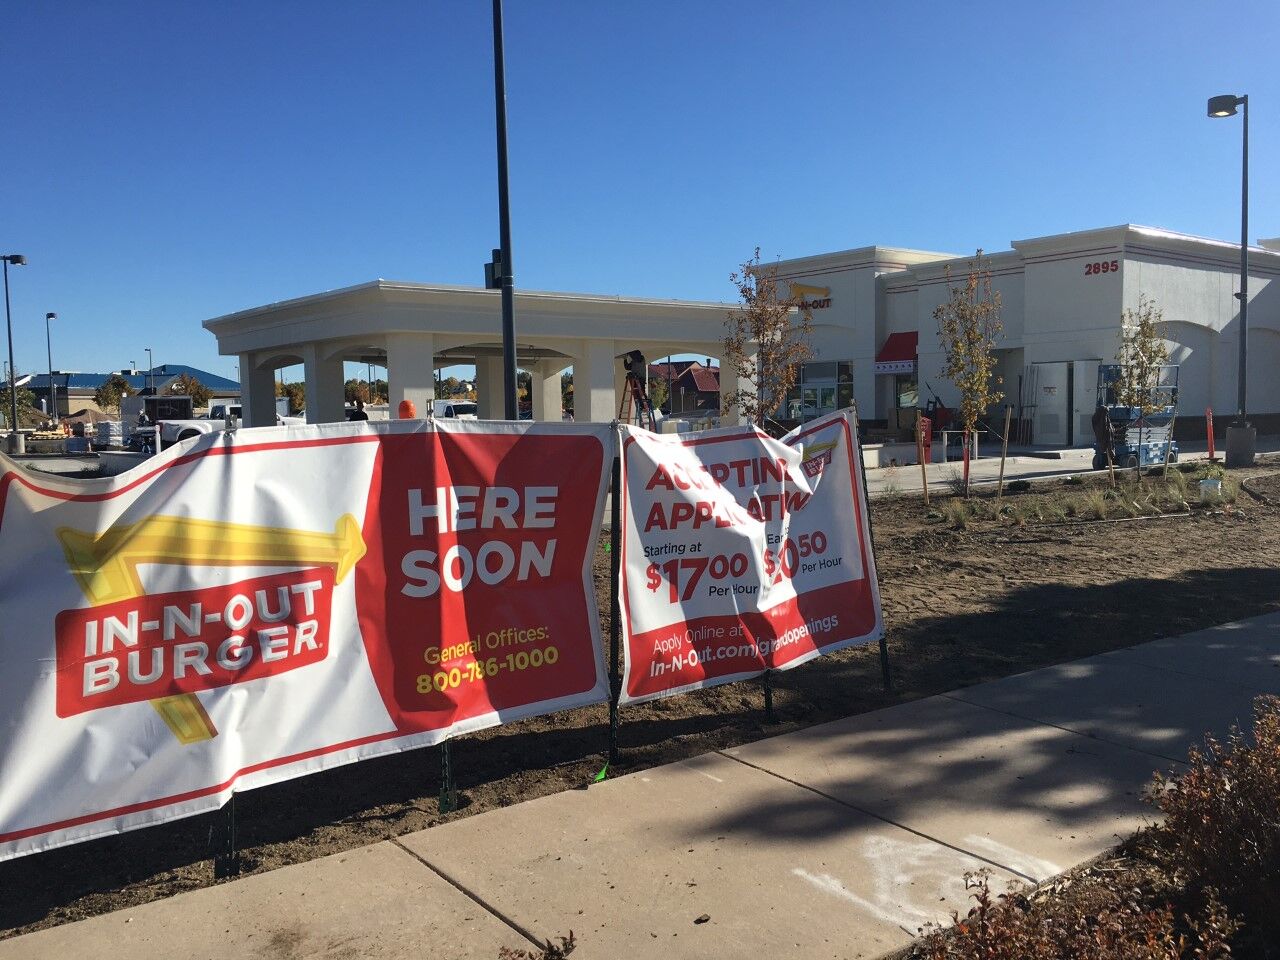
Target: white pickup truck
{"x":220,"y":416}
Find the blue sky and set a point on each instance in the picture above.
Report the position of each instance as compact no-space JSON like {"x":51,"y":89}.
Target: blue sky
{"x":164,"y":163}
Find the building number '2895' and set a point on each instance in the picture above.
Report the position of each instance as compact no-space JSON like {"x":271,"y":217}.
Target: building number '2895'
{"x":1102,"y":266}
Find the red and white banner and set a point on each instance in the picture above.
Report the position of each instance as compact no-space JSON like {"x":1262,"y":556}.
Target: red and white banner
{"x":273,"y":602}
{"x":741,"y":553}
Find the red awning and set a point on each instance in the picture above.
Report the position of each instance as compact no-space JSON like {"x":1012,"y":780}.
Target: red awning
{"x":899,"y":348}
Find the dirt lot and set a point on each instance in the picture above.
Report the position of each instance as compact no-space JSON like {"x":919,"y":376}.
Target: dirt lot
{"x":1007,"y":593}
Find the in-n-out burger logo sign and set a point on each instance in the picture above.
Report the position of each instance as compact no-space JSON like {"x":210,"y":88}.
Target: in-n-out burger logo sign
{"x":810,"y":298}
{"x":131,"y":646}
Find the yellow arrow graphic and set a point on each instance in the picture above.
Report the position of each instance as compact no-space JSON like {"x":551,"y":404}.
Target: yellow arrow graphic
{"x":106,"y":567}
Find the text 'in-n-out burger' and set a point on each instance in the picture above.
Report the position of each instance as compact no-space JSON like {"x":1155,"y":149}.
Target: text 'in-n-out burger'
{"x":131,"y":646}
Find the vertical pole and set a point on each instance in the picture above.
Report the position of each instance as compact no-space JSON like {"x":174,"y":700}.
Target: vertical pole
{"x":769,"y":715}
{"x":1004,"y":451}
{"x":226,"y":858}
{"x":965,"y":458}
{"x":48,"y":346}
{"x":615,"y":617}
{"x":448,"y":789}
{"x":1208,"y":429}
{"x":504,"y":223}
{"x":13,"y":370}
{"x":924,"y":473}
{"x":1244,"y":266}
{"x":871,"y":535}
{"x":1168,"y":446}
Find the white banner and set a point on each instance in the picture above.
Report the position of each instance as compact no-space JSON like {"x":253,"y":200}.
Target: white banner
{"x":741,"y":553}
{"x":273,"y":602}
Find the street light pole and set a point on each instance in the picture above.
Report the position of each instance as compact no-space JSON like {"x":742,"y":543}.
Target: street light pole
{"x":151,"y":371}
{"x":16,"y":442}
{"x":48,"y":346}
{"x":1241,"y":438}
{"x":505,"y":272}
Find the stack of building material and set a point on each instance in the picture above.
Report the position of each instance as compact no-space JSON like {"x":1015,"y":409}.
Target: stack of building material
{"x":109,"y":433}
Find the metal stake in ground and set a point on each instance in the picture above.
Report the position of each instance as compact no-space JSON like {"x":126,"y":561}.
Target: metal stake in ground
{"x":448,"y":789}
{"x":615,"y":604}
{"x":871,"y":535}
{"x":226,"y":858}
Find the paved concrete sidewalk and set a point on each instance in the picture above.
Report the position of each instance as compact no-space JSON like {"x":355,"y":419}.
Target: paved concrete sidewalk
{"x":835,"y":841}
{"x":986,"y":470}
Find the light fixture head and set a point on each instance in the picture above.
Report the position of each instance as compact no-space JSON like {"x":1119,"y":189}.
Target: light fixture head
{"x":1224,"y":105}
{"x":17,"y":259}
{"x":51,"y":316}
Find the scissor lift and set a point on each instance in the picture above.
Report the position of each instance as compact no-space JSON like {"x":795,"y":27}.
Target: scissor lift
{"x":1137,"y":439}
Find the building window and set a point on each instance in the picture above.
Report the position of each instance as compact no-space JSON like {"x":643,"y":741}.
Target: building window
{"x":820,"y":388}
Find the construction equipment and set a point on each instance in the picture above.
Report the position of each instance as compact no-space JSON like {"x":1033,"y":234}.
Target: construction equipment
{"x":1136,"y":439}
{"x":636,"y":407}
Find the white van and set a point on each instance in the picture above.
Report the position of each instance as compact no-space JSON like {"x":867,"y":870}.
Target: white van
{"x":454,"y":409}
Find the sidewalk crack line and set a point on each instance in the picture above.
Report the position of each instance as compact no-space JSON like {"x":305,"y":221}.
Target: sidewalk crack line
{"x":471,"y":896}
{"x":880,"y":817}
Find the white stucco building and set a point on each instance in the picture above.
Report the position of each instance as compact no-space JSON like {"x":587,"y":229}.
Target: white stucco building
{"x":415,"y":328}
{"x":875,"y":337}
{"x":1062,"y":298}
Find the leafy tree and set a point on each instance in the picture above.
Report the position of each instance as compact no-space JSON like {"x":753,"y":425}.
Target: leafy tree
{"x":188,"y":386}
{"x":762,"y":344}
{"x":1142,"y":353}
{"x":449,"y":387}
{"x":659,"y":393}
{"x":969,"y":326}
{"x":26,"y":403}
{"x":113,"y":390}
{"x":297,"y":394}
{"x":354,"y":390}
{"x":566,"y":392}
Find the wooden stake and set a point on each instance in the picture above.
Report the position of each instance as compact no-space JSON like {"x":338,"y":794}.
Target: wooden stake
{"x":924,"y":474}
{"x":1004,"y":451}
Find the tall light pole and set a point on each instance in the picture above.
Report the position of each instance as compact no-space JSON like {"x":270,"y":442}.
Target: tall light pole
{"x":500,"y":273}
{"x":16,"y":442}
{"x":48,"y":346}
{"x":151,"y":371}
{"x":1241,"y":438}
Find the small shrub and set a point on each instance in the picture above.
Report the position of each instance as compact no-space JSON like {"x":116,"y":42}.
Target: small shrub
{"x":1176,"y":485}
{"x":1073,"y":481}
{"x":1011,"y":927}
{"x":1018,"y":486}
{"x":550,"y":951}
{"x":1222,"y":816}
{"x":957,"y":513}
{"x":1094,"y":504}
{"x":1054,"y":510}
{"x":1230,"y":489}
{"x":1210,"y":471}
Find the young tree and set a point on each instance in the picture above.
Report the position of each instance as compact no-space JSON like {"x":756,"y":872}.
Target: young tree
{"x":659,"y":393}
{"x":113,"y":390}
{"x":1142,"y":353}
{"x":969,"y":326}
{"x":762,"y":345}
{"x":188,"y":386}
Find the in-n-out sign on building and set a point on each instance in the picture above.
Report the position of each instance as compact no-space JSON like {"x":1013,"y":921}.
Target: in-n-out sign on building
{"x":875,"y":337}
